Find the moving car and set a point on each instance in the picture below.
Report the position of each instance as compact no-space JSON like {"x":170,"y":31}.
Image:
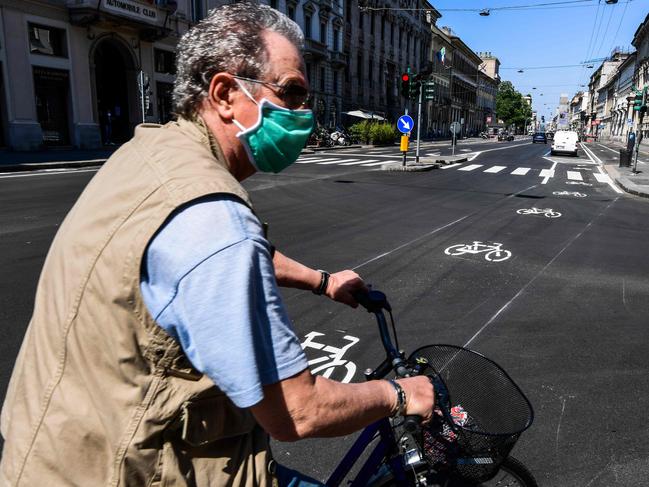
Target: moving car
{"x":539,"y":137}
{"x":565,"y":141}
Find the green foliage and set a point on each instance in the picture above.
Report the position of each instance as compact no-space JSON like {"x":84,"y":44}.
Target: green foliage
{"x":360,"y":132}
{"x":510,"y":105}
{"x":383,"y":133}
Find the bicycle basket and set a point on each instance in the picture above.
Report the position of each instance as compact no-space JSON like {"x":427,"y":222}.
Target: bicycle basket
{"x":482,"y":411}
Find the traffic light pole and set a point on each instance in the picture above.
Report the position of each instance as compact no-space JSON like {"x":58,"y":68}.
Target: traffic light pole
{"x":421,"y":90}
{"x":638,"y":138}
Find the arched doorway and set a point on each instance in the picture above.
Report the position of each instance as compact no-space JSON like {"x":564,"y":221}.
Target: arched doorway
{"x":114,"y":76}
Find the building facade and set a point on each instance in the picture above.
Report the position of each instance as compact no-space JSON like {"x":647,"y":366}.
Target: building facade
{"x":73,"y":71}
{"x":641,"y":74}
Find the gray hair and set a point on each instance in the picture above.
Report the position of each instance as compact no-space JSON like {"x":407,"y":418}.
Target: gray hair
{"x":229,"y":40}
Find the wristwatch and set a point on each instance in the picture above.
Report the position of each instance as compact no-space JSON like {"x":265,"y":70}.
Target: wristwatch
{"x":324,"y":281}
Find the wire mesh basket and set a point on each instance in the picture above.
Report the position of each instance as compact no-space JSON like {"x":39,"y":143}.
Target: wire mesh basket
{"x":481,"y":413}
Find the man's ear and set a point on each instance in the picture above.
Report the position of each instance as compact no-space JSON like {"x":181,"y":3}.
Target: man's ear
{"x":221,"y":94}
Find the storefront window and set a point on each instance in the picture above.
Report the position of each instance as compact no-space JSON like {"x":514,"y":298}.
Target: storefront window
{"x":49,"y":41}
{"x":52,"y":89}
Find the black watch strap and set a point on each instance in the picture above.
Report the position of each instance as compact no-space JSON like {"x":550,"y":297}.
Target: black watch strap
{"x":324,"y":282}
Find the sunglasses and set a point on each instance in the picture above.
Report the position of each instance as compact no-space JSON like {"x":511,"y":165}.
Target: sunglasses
{"x":293,"y":94}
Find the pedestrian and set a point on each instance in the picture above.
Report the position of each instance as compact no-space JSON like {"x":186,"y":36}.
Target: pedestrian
{"x":160,"y":351}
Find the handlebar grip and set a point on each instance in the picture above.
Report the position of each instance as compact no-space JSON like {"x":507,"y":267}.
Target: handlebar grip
{"x":373,"y":301}
{"x":412,"y":423}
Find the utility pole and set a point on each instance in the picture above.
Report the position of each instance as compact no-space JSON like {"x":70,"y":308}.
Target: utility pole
{"x":638,"y":137}
{"x":421,"y":90}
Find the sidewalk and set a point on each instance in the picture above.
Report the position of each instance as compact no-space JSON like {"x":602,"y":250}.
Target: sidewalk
{"x":53,"y":159}
{"x":624,"y":177}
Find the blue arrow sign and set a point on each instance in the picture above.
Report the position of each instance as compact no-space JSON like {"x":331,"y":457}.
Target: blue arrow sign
{"x":405,"y":124}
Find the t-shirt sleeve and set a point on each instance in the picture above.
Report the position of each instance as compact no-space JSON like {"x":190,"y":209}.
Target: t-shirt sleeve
{"x":229,"y":317}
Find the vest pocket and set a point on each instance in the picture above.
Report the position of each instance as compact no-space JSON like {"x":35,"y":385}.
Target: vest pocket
{"x":214,"y":418}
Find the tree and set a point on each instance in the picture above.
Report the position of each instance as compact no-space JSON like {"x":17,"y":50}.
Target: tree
{"x":511,"y":107}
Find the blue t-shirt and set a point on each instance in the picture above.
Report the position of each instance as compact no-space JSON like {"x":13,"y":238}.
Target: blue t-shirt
{"x":208,"y":280}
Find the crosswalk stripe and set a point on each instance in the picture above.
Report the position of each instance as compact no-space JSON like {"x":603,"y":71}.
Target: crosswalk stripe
{"x":310,"y":161}
{"x":495,"y":169}
{"x":547,"y":173}
{"x":358,"y":162}
{"x":470,"y":168}
{"x":602,"y":178}
{"x":378,"y":163}
{"x":452,"y":165}
{"x":337,"y":161}
{"x":574,"y":175}
{"x":521,"y":171}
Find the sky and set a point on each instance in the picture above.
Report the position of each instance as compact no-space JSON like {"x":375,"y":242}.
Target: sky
{"x":565,"y":34}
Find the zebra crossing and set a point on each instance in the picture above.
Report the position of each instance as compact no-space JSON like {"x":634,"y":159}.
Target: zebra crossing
{"x":575,"y":176}
{"x":347,"y":161}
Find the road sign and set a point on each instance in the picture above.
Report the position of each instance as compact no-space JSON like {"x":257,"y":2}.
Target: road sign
{"x":429,"y":90}
{"x":455,"y":127}
{"x":405,"y":124}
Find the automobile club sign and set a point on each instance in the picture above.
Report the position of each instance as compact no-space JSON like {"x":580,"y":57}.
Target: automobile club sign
{"x":142,"y":10}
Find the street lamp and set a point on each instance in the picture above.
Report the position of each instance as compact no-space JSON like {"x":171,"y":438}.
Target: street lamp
{"x":485,"y":12}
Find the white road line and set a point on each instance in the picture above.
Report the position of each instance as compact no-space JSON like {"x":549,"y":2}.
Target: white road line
{"x":574,"y":175}
{"x":476,"y":154}
{"x":311,"y":161}
{"x":50,"y":172}
{"x":473,"y":156}
{"x":337,"y":161}
{"x":520,"y":171}
{"x":495,"y":169}
{"x":591,"y":155}
{"x":547,"y":174}
{"x":607,"y":148}
{"x":470,"y":168}
{"x":602,"y":178}
{"x":360,"y":162}
{"x":547,"y":154}
{"x":451,"y":165}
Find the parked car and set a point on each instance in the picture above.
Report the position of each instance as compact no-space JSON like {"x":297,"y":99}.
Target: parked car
{"x":565,"y":141}
{"x":539,"y":137}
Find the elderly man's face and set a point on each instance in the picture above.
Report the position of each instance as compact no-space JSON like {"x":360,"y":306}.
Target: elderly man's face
{"x":285,"y":68}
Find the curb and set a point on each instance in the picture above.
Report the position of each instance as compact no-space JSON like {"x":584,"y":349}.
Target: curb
{"x":36,"y":166}
{"x":398,"y":167}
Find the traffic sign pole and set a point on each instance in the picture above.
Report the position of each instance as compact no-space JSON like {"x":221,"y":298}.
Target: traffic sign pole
{"x":418,"y":126}
{"x":404,"y":148}
{"x":639,"y":131}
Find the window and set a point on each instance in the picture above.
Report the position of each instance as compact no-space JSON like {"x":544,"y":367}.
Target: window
{"x":165,"y":61}
{"x":197,"y":10}
{"x":323,"y":32}
{"x":371,"y":23}
{"x":336,"y":40}
{"x":273,"y":4}
{"x":322,"y":78}
{"x":360,"y":20}
{"x":391,"y":33}
{"x":307,"y":26}
{"x":360,"y":69}
{"x":309,"y":73}
{"x":382,"y":27}
{"x":335,"y":82}
{"x":349,"y":10}
{"x":370,"y":72}
{"x":291,"y":13}
{"x":47,"y":40}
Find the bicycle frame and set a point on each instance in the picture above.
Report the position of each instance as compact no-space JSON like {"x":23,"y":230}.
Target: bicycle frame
{"x":387,"y":448}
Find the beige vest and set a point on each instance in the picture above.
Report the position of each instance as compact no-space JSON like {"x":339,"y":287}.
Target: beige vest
{"x":100,"y":395}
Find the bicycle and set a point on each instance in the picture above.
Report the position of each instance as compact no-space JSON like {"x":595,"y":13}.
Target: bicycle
{"x":493,"y":252}
{"x":466,"y":445}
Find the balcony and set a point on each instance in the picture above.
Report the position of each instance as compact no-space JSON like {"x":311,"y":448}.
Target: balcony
{"x":338,"y":59}
{"x":314,"y":50}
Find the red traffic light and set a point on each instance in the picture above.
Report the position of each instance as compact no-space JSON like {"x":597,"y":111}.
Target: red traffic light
{"x":405,"y":77}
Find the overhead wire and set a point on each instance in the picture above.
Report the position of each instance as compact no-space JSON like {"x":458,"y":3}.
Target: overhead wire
{"x":601,"y":44}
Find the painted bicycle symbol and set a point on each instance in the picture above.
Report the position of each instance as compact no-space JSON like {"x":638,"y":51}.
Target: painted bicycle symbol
{"x":334,"y":357}
{"x":569,"y":193}
{"x":548,"y":212}
{"x":493,"y":252}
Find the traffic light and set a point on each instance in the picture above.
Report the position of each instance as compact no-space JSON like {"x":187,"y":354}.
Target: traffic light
{"x":637,"y":101}
{"x":415,"y":86}
{"x":405,"y":85}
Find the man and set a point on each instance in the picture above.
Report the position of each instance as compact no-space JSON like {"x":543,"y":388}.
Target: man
{"x":159,"y":351}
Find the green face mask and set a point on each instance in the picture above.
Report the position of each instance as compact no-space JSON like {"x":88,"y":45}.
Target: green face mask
{"x":276,"y":140}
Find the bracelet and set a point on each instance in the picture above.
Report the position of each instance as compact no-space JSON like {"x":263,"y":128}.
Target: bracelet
{"x":324,"y":282}
{"x":401,"y":398}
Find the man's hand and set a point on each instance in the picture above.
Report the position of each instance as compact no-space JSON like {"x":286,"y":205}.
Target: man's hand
{"x":420,"y":397}
{"x":342,"y":285}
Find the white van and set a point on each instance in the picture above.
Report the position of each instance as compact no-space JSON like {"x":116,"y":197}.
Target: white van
{"x":565,"y":141}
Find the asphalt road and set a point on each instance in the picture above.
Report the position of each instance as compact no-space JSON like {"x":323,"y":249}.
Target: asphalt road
{"x":565,"y":314}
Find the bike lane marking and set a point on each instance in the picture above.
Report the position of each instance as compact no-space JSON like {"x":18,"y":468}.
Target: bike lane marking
{"x":538,"y":274}
{"x":574,"y":175}
{"x":547,"y":174}
{"x":470,"y":168}
{"x":333,"y":358}
{"x":495,"y":169}
{"x":521,"y":171}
